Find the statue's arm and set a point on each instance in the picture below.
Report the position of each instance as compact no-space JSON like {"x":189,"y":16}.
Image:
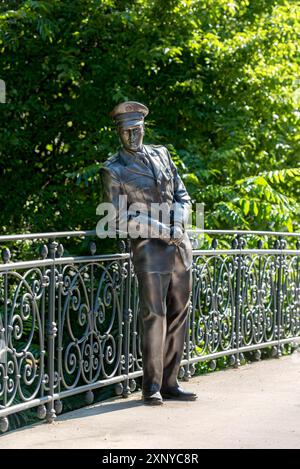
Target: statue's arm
{"x":182,"y":203}
{"x":113,"y":192}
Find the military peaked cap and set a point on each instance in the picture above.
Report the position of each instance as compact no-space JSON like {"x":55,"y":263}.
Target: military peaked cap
{"x":129,"y":114}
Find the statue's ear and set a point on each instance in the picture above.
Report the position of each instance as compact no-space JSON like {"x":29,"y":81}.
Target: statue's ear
{"x":117,"y":131}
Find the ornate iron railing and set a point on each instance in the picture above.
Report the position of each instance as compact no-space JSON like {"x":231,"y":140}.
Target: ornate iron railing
{"x":69,"y":324}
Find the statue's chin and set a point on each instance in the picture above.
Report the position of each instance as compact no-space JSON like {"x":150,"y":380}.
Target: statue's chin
{"x":133,"y":147}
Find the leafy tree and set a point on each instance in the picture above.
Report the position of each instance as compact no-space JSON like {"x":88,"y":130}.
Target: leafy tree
{"x":221,"y":80}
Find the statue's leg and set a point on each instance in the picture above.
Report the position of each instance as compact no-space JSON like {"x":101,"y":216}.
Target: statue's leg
{"x":153,"y":288}
{"x":178,"y":299}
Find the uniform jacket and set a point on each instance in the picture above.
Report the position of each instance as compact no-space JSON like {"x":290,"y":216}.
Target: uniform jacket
{"x":125,"y":174}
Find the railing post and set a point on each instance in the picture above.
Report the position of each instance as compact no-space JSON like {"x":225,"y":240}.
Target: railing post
{"x":127,"y":315}
{"x":58,"y":405}
{"x":236,"y":244}
{"x":280,"y":244}
{"x":298,"y":288}
{"x":4,"y":333}
{"x":257,"y":353}
{"x":51,"y":331}
{"x":279,"y":299}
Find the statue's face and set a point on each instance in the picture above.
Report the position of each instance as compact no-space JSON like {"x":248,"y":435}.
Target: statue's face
{"x":132,"y":138}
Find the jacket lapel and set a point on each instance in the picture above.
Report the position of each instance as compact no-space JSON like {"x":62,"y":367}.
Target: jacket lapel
{"x":156,"y":163}
{"x":135,"y":165}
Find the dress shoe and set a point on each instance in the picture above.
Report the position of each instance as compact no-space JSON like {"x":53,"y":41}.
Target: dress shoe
{"x":178,"y":394}
{"x":153,"y":399}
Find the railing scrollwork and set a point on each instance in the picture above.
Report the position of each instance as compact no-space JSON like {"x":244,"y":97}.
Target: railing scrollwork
{"x":69,"y":324}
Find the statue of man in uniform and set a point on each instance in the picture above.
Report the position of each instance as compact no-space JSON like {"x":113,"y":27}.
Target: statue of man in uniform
{"x":162,"y":257}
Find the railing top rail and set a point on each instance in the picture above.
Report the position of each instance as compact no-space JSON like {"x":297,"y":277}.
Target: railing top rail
{"x":246,"y":232}
{"x":73,"y":234}
{"x":50,"y":235}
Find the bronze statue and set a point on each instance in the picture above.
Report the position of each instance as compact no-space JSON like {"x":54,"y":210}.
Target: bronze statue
{"x":162,"y":261}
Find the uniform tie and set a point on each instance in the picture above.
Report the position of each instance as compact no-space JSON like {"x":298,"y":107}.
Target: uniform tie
{"x":144,"y":158}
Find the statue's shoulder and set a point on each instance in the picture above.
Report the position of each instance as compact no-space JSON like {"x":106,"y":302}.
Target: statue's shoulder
{"x":112,"y":161}
{"x":113,"y":165}
{"x":157,"y":149}
{"x":160,"y":151}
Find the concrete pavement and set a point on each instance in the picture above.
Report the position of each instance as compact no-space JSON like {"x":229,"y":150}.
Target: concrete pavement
{"x":255,"y":406}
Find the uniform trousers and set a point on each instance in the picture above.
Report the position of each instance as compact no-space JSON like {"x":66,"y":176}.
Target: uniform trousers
{"x":164,"y":306}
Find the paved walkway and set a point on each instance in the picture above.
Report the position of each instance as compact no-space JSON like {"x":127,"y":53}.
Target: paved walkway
{"x":255,"y":406}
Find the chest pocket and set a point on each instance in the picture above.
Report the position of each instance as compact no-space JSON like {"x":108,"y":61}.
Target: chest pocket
{"x":139,"y":188}
{"x":138,"y":182}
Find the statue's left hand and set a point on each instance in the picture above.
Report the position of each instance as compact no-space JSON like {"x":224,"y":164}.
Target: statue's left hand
{"x":177,"y":235}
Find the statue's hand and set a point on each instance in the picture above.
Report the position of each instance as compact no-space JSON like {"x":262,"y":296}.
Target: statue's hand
{"x":149,"y":227}
{"x":177,"y":235}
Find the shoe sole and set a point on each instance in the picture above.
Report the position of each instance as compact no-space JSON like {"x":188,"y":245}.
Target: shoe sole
{"x":179,"y":398}
{"x":153,"y":403}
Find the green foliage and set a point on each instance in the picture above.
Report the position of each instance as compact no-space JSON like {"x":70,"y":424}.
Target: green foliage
{"x":221,"y":80}
{"x":255,"y":202}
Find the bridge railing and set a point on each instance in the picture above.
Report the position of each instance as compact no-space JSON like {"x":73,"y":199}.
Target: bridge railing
{"x":69,"y":323}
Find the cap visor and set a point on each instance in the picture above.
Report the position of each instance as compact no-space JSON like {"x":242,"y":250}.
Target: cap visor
{"x":130,"y":123}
